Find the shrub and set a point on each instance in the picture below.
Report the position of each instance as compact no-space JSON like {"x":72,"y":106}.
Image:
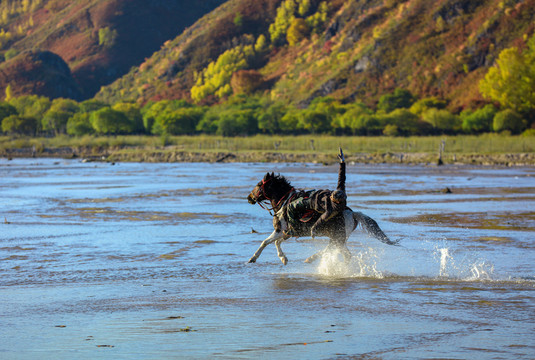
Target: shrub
{"x":245,"y":81}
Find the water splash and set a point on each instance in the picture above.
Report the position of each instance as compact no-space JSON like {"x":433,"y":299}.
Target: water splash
{"x":362,"y":264}
{"x":469,"y":268}
{"x":444,"y":256}
{"x":440,"y":262}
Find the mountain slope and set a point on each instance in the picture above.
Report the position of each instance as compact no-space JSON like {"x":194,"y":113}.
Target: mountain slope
{"x":100,"y":40}
{"x":350,"y":50}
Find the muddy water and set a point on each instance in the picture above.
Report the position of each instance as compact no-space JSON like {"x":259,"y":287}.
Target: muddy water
{"x":138,"y":261}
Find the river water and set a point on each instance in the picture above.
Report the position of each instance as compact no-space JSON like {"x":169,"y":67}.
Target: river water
{"x":148,"y":261}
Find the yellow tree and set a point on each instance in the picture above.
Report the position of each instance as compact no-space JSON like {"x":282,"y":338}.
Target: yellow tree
{"x":297,"y":31}
{"x":511,"y":81}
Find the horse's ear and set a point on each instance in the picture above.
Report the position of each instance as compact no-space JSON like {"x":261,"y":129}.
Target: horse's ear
{"x":266,"y":176}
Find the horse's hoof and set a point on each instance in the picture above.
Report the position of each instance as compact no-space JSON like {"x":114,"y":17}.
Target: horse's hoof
{"x":284,"y":260}
{"x":310,"y":260}
{"x":252,"y":260}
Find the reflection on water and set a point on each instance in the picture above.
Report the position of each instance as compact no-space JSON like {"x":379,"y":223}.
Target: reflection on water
{"x":148,"y":261}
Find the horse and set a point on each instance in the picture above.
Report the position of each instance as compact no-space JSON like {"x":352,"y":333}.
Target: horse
{"x":277,"y":192}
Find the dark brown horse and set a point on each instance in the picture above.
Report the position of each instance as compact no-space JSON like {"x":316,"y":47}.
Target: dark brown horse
{"x":276,"y":191}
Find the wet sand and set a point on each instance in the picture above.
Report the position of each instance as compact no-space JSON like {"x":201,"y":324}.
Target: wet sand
{"x":148,"y":260}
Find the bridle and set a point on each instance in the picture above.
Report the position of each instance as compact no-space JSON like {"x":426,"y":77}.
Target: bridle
{"x":267,"y":200}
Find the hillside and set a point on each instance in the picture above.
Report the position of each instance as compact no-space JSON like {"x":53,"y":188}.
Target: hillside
{"x":99,"y":40}
{"x":297,"y":50}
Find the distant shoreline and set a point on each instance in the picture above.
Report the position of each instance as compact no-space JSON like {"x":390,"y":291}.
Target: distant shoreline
{"x":173,"y":154}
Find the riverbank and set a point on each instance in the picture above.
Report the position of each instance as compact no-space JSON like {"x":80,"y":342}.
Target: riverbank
{"x":172,"y":154}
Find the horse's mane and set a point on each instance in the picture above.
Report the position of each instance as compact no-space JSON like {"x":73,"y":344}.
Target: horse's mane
{"x":279,"y":179}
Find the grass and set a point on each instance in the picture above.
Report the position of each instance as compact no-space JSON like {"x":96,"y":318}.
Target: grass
{"x":461,"y":144}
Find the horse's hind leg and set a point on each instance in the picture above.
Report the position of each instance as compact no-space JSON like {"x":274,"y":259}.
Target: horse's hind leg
{"x":338,"y":241}
{"x":317,"y":255}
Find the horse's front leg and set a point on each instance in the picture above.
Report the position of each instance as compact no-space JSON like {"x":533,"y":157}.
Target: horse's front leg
{"x":275,"y":235}
{"x":280,"y":253}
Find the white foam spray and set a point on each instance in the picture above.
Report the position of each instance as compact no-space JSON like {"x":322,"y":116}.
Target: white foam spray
{"x":444,"y":256}
{"x":440,"y":262}
{"x":362,"y":264}
{"x":469,"y":268}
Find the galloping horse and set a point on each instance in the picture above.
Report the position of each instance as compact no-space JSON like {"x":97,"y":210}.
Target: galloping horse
{"x":278,"y":192}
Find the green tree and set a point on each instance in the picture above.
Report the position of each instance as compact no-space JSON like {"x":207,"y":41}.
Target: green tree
{"x":399,"y":99}
{"x":348,"y":119}
{"x":289,"y":122}
{"x":391,"y":130}
{"x":314,"y":121}
{"x":237,"y":122}
{"x":133,"y":113}
{"x":21,"y":125}
{"x":441,"y":120}
{"x":79,"y":124}
{"x":182,"y":121}
{"x":509,"y":120}
{"x":6,"y":110}
{"x":478,"y":121}
{"x":270,"y":118}
{"x":55,"y":119}
{"x":152,"y":111}
{"x":107,"y":37}
{"x":405,"y":121}
{"x":209,"y":121}
{"x":365,"y":124}
{"x":31,"y":105}
{"x":420,"y":106}
{"x":91,"y":105}
{"x":110,"y":122}
{"x":511,"y":81}
{"x":285,"y":15}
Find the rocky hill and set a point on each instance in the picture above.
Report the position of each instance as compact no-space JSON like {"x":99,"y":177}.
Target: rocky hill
{"x":284,"y":50}
{"x":297,"y":50}
{"x":98,"y":40}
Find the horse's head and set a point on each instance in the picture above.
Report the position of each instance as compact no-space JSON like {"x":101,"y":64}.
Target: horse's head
{"x":259,"y":192}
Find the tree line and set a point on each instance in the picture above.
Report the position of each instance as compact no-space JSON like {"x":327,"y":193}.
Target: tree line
{"x":399,"y":113}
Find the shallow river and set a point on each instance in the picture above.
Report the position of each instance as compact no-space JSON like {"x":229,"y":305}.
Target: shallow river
{"x":148,"y":261}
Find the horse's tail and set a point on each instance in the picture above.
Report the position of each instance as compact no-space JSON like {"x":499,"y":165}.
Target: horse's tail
{"x":372,"y":228}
